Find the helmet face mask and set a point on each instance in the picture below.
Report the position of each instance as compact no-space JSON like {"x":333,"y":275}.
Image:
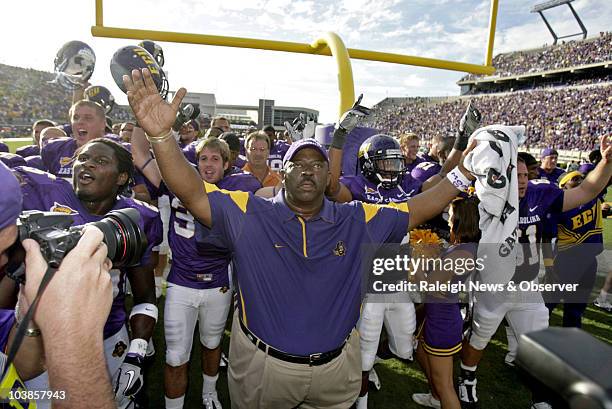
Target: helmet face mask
{"x":133,"y":57}
{"x":381,"y":161}
{"x":74,"y":64}
{"x":154,"y":49}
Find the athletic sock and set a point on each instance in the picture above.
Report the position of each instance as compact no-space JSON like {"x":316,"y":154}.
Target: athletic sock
{"x":210,"y":384}
{"x":176,"y":403}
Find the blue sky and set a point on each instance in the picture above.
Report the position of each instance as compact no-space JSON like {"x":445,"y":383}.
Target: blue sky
{"x":446,"y":29}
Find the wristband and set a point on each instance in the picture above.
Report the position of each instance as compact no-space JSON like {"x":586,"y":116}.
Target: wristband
{"x":145,"y":165}
{"x":549,"y":262}
{"x":459,"y":180}
{"x":147,"y":309}
{"x":338,"y":139}
{"x":138,"y":346}
{"x":161,"y":138}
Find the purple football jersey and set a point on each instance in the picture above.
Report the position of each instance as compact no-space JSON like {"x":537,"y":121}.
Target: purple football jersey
{"x":43,"y":191}
{"x":410,"y":166}
{"x":190,"y":152}
{"x":364,"y":190}
{"x":542,"y":202}
{"x":35,"y":162}
{"x":277,"y":153}
{"x":57,"y":156}
{"x":552,"y":176}
{"x":11,"y":160}
{"x":203,"y":266}
{"x":7,"y":319}
{"x":424,"y":170}
{"x":29,"y":150}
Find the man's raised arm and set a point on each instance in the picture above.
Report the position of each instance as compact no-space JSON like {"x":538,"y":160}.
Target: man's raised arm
{"x":156,"y":117}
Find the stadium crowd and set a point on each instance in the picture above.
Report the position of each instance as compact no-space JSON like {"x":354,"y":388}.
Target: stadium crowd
{"x":267,"y":230}
{"x":564,"y":55}
{"x":567,"y":118}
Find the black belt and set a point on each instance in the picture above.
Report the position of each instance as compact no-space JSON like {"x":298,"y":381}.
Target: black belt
{"x":313,"y":359}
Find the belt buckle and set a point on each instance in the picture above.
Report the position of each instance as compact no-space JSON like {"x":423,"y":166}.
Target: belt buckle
{"x":314,"y":357}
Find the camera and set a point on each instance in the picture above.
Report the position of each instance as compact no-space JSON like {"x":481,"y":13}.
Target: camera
{"x":56,"y":236}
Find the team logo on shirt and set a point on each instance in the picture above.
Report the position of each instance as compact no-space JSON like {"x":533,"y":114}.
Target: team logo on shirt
{"x":119,"y":350}
{"x":340,"y":250}
{"x":65,"y":160}
{"x":60,"y":208}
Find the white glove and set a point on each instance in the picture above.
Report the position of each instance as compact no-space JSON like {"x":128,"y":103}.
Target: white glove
{"x":129,"y":378}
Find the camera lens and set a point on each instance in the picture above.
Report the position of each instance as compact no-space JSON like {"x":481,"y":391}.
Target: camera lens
{"x":125,"y":241}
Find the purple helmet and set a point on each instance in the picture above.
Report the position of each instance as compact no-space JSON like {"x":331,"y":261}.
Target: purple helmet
{"x":381,"y":160}
{"x":133,"y":57}
{"x":154,"y":49}
{"x":101,"y":95}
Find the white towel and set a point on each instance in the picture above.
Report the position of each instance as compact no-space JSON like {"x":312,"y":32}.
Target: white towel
{"x":493,"y":162}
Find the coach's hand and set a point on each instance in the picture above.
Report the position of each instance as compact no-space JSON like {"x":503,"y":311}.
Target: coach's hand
{"x":153,"y":114}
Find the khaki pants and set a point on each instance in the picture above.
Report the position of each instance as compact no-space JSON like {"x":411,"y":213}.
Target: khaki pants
{"x":257,"y":380}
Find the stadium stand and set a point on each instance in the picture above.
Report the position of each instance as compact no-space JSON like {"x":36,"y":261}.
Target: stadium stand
{"x":26,"y":96}
{"x":572,"y":114}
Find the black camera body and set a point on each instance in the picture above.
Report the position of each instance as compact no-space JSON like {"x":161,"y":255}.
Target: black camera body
{"x":56,"y":236}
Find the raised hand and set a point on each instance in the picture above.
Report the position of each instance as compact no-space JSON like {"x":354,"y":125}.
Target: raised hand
{"x":605,"y":148}
{"x":154,"y":115}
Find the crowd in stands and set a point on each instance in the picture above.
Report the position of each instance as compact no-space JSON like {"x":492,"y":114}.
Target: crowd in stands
{"x":569,"y":118}
{"x":27,"y":95}
{"x":554,"y":57}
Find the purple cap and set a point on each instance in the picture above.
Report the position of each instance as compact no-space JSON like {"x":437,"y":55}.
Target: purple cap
{"x":303,"y":144}
{"x":10,"y":197}
{"x":11,"y":160}
{"x":549,"y":151}
{"x":586,"y":168}
{"x":3,"y":147}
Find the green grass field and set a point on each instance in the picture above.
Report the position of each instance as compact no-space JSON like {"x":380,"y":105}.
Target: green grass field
{"x":498,"y":385}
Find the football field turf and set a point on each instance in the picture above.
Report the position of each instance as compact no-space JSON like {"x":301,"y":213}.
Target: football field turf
{"x":499,"y":386}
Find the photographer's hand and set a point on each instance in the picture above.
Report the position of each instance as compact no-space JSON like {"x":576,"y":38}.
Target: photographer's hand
{"x":71,"y":314}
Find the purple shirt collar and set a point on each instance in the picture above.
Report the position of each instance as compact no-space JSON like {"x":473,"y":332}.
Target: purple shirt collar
{"x":326,"y":213}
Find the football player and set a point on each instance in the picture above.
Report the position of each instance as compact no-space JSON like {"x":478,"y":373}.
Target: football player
{"x":537,"y":200}
{"x":548,"y":168}
{"x":381,"y":180}
{"x":409,"y":143}
{"x":198,"y":282}
{"x":34,"y":149}
{"x":579,"y":241}
{"x":102,"y":171}
{"x":278,"y":148}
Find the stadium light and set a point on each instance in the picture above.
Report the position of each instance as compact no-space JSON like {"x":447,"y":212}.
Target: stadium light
{"x":329,"y":44}
{"x":539,"y":8}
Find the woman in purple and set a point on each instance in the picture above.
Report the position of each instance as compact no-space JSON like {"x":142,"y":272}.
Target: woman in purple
{"x":440,"y":333}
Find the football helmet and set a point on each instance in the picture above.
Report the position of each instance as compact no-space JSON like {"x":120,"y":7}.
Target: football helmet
{"x":74,"y":64}
{"x":133,"y":57}
{"x":101,"y":95}
{"x":154,"y":49}
{"x":381,"y":161}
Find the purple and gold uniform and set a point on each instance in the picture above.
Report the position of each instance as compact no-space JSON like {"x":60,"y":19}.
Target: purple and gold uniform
{"x":366,"y":191}
{"x":35,"y":162}
{"x":291,"y":272}
{"x":12,"y":160}
{"x":206,"y":267}
{"x":277,"y":153}
{"x":424,"y":170}
{"x":553,"y":176}
{"x":414,"y":164}
{"x":57,"y":155}
{"x":29,"y":150}
{"x":542,"y":201}
{"x":43,"y":191}
{"x":442,"y":329}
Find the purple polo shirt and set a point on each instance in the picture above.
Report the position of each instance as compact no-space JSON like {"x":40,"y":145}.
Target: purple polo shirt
{"x":299,"y":281}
